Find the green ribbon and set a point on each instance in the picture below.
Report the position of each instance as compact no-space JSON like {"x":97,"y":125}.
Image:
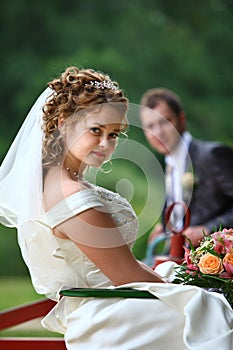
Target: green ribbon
{"x":107,"y":293}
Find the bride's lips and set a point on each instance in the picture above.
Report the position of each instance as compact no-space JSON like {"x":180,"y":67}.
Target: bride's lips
{"x":98,"y":154}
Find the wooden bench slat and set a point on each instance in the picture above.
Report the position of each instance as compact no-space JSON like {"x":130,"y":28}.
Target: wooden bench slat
{"x":27,"y":312}
{"x":32,"y":343}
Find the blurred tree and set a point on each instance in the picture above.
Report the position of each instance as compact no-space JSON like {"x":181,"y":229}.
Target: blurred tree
{"x":142,"y":43}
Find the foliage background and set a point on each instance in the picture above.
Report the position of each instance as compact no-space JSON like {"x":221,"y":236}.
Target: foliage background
{"x":184,"y":45}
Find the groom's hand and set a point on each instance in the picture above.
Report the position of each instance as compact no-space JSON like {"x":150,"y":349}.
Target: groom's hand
{"x":195,"y":234}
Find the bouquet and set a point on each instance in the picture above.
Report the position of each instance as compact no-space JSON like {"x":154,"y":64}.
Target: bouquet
{"x":210,"y":265}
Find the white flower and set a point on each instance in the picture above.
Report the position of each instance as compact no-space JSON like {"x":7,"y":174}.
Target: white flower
{"x":187,"y":180}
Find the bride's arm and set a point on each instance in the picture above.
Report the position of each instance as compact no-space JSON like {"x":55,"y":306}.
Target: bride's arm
{"x":96,"y":235}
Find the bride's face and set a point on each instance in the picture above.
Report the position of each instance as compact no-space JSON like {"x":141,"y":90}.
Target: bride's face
{"x":94,"y":138}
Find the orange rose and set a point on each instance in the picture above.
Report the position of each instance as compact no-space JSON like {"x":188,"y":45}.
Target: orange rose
{"x":210,"y":264}
{"x":228,"y":262}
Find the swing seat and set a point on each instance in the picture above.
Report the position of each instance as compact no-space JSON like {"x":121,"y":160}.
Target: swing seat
{"x":18,"y":315}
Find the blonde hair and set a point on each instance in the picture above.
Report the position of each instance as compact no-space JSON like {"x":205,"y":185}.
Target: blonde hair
{"x":76,"y":91}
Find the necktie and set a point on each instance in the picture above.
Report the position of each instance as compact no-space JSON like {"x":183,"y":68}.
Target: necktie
{"x":176,"y":217}
{"x":169,"y":184}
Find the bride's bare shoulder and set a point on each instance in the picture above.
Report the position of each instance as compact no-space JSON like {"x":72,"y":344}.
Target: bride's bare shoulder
{"x":57,"y":187}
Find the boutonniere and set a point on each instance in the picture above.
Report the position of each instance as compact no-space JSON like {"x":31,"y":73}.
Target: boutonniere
{"x":188,"y":182}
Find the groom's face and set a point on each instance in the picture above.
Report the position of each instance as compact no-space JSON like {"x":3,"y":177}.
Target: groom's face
{"x":162,"y":127}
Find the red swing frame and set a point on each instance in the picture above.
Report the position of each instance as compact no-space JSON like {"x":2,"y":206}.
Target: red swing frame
{"x":14,"y":316}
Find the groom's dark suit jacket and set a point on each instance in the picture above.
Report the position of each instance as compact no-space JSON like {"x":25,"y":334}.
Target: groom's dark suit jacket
{"x":211,"y":202}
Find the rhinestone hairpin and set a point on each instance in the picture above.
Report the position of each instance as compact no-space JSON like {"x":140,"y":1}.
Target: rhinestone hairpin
{"x":105,"y":84}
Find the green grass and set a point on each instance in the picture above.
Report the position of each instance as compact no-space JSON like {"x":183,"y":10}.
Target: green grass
{"x":15,"y":291}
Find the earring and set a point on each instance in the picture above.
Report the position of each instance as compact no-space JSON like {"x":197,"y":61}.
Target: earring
{"x":123,"y":137}
{"x":107,"y":170}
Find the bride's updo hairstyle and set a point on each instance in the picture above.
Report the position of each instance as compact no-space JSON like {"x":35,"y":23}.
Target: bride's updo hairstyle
{"x":75,"y":93}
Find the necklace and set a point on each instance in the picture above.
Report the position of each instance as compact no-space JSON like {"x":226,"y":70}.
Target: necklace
{"x":74,"y":174}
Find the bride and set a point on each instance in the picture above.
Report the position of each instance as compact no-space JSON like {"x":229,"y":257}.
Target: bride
{"x":75,"y":234}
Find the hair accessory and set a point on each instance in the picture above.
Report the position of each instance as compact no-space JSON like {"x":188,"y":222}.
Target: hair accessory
{"x":105,"y":84}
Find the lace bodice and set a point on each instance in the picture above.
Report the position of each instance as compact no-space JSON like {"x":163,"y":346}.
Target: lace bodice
{"x":121,"y":212}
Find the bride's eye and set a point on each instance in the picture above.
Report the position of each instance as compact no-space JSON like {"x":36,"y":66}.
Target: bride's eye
{"x":95,"y":130}
{"x":114,"y":135}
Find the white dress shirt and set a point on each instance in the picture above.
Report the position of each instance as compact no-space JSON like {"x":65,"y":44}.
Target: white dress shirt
{"x":176,"y":162}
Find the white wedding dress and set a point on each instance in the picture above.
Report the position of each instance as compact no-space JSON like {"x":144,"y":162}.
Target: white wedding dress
{"x":183,"y":317}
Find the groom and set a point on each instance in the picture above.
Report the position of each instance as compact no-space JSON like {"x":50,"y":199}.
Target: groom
{"x":202,"y":171}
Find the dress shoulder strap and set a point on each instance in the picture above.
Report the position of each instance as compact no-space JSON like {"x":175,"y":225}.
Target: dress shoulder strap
{"x":71,"y":206}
